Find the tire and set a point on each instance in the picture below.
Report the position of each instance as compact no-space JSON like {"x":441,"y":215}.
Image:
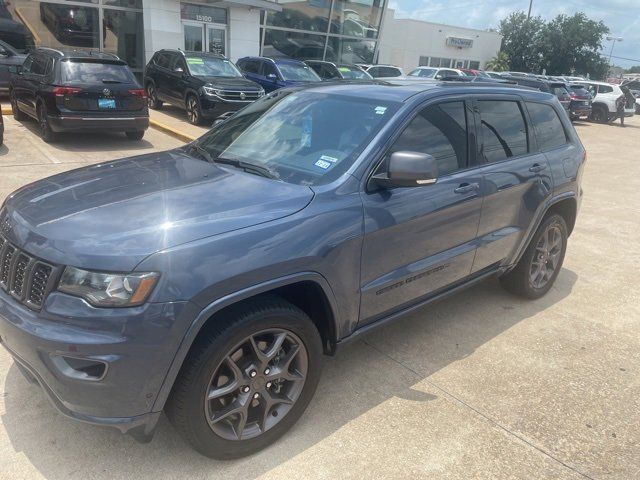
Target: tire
{"x":152,"y":97}
{"x":599,"y":114}
{"x":46,"y":133}
{"x":135,"y":134}
{"x":194,"y":109}
{"x":18,"y":115}
{"x":528,"y":279}
{"x":264,"y":320}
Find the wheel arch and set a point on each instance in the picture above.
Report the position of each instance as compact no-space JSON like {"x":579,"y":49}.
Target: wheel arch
{"x":309,"y":291}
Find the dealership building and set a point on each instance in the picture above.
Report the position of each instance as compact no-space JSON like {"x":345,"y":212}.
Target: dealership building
{"x":350,"y":31}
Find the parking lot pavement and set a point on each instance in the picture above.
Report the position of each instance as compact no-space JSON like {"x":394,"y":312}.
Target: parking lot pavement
{"x":482,"y":385}
{"x":24,"y":157}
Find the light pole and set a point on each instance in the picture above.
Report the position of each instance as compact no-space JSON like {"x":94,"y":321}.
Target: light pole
{"x":614,"y":39}
{"x":530,"y":5}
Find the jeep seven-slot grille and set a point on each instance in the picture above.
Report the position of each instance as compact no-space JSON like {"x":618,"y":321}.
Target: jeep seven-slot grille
{"x":25,"y":277}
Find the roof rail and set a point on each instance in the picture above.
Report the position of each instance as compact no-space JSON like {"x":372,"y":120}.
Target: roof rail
{"x":51,"y":50}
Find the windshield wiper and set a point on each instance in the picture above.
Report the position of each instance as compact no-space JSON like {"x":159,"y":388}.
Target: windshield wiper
{"x":201,"y":151}
{"x":248,"y":167}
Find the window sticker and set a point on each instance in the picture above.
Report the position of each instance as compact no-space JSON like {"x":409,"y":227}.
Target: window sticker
{"x":195,"y":61}
{"x":344,"y":69}
{"x":323,"y":164}
{"x":380,"y":110}
{"x":327,"y":158}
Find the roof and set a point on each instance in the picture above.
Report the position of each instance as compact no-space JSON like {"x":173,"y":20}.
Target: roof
{"x":401,"y":91}
{"x":73,"y":53}
{"x":277,"y":60}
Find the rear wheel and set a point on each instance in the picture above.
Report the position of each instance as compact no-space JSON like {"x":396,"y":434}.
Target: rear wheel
{"x":247,"y":380}
{"x":599,"y":114}
{"x":194,"y":111}
{"x":540,"y":265}
{"x":152,"y":97}
{"x":46,"y":133}
{"x":17,"y":114}
{"x":135,"y":135}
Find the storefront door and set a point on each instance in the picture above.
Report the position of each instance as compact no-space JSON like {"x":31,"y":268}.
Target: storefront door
{"x":204,"y":37}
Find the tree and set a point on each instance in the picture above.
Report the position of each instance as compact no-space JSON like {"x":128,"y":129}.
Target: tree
{"x":521,"y":41}
{"x":572,"y":44}
{"x":566,"y":44}
{"x":634,"y":69}
{"x":499,"y":63}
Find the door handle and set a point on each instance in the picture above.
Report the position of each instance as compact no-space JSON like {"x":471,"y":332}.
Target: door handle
{"x":466,"y":188}
{"x":536,"y":167}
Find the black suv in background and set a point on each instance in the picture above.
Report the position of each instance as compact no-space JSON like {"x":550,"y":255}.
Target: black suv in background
{"x":206,"y":85}
{"x":76,"y":90}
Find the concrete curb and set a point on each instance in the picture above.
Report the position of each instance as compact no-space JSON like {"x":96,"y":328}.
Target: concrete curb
{"x":185,"y":137}
{"x":6,"y":111}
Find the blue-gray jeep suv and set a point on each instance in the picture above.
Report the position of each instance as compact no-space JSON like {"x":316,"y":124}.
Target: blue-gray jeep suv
{"x":209,"y":280}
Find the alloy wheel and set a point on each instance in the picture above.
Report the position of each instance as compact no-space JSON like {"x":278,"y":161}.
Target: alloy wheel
{"x":151,"y":96}
{"x":43,"y":123}
{"x":546,"y":257}
{"x":192,"y":110}
{"x":256,"y":384}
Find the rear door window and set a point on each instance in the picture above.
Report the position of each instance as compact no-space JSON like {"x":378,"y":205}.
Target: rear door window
{"x":162,"y":60}
{"x":92,"y":72}
{"x":441,"y":131}
{"x":39,"y":66}
{"x":503,"y":129}
{"x":250,"y":66}
{"x":605,"y":89}
{"x":549,"y":130}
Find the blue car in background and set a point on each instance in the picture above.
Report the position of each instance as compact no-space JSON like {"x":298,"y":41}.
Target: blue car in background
{"x":275,"y":73}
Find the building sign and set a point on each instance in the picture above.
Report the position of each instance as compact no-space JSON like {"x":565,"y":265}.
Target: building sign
{"x":459,"y":42}
{"x":203,"y":13}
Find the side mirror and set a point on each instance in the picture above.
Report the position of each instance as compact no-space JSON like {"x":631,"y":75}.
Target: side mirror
{"x":438,"y":77}
{"x":178,"y":70}
{"x":272,"y":76}
{"x":408,"y":169}
{"x":4,"y":52}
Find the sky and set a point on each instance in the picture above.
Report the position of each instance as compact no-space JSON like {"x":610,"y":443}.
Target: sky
{"x":621,"y":16}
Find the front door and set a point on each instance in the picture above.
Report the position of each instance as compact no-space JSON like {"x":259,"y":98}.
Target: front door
{"x":204,"y":37}
{"x":419,"y":240}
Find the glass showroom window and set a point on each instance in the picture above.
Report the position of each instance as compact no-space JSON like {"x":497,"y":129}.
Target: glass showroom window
{"x":278,"y":43}
{"x":357,"y":19}
{"x":311,"y":15}
{"x":106,"y":25}
{"x":350,"y":50}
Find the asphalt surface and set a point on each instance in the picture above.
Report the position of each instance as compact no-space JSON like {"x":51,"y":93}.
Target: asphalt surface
{"x":482,"y":385}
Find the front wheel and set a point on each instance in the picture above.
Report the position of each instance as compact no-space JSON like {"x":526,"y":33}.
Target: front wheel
{"x":194,"y":110}
{"x":152,"y":97}
{"x":247,"y":379}
{"x":540,"y":265}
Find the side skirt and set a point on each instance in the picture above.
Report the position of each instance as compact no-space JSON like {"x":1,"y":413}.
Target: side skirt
{"x":438,"y":295}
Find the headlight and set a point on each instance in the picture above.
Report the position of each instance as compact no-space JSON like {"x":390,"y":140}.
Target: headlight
{"x":211,"y":91}
{"x":108,"y":289}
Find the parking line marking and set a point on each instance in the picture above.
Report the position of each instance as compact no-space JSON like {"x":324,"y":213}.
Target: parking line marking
{"x":46,"y":154}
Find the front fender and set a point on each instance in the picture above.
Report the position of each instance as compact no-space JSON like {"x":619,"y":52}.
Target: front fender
{"x":218,"y":304}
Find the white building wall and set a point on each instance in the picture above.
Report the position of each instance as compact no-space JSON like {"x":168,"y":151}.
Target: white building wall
{"x":162,"y":26}
{"x":404,"y":41}
{"x":163,"y":29}
{"x":244,"y":33}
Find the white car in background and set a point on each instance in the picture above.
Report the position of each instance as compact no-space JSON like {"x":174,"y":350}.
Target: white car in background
{"x":435,"y":73}
{"x":604,"y":96}
{"x":382,"y":71}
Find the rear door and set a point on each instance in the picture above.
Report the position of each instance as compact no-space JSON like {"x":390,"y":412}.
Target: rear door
{"x":33,"y":81}
{"x":161,"y":74}
{"x":516,"y":178}
{"x":419,"y":240}
{"x":100,"y":87}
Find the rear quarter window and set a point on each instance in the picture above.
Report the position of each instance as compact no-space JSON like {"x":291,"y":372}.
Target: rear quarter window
{"x":550,"y":132}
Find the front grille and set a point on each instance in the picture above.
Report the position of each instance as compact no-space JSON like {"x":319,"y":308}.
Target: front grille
{"x":237,"y":96}
{"x":26,"y":278}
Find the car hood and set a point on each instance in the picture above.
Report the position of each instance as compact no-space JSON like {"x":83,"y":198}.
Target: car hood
{"x":111,"y":216}
{"x":231,"y":83}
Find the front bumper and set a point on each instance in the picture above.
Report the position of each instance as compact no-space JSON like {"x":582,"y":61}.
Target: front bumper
{"x":213,"y":107}
{"x":115,"y":123}
{"x":136,"y":345}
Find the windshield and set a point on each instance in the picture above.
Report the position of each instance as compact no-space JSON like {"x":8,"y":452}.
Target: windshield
{"x":78,"y":71}
{"x":424,"y":72}
{"x":354,"y":73}
{"x":298,"y":73}
{"x":306,"y":138}
{"x":212,"y":67}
